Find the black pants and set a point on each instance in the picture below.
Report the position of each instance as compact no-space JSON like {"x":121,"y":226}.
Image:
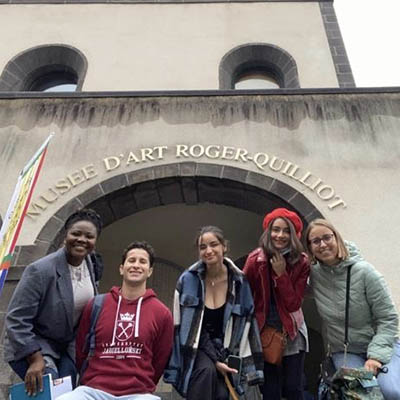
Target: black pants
{"x":206,"y":382}
{"x":286,"y":380}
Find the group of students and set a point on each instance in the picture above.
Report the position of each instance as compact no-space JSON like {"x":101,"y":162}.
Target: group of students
{"x":122,"y":345}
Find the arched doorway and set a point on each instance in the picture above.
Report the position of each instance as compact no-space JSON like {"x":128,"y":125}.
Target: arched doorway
{"x":165,"y":205}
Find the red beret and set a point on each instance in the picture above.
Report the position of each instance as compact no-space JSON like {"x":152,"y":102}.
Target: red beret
{"x":283,"y":212}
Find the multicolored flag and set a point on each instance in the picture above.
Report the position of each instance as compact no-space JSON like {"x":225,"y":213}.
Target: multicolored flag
{"x":17,"y":209}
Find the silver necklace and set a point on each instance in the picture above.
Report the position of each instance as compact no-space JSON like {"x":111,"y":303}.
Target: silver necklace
{"x":215,"y":281}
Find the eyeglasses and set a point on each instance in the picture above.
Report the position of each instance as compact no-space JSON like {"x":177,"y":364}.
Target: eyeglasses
{"x":327,"y":238}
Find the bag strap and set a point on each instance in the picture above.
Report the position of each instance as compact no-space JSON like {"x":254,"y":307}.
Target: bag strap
{"x":90,"y":340}
{"x":346,"y":318}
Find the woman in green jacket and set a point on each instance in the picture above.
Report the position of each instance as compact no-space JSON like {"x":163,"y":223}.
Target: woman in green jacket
{"x":373,"y":320}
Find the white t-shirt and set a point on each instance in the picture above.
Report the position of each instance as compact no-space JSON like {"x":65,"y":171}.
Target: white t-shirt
{"x":82,"y":288}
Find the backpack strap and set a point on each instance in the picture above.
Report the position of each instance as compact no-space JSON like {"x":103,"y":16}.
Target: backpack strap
{"x":90,"y":340}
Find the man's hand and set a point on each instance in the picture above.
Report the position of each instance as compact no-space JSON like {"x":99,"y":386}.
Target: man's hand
{"x":372,"y":365}
{"x":278,"y":263}
{"x":34,"y":374}
{"x":224,"y":369}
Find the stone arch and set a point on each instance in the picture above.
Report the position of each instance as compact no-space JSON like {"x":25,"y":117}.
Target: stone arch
{"x":274,"y":60}
{"x":187,"y":182}
{"x":29,"y":65}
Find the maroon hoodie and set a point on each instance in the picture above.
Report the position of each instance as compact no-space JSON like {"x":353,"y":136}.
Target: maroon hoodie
{"x":133,"y":344}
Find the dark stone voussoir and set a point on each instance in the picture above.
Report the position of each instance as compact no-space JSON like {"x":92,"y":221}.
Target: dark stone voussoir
{"x":282,"y":190}
{"x":50,"y":231}
{"x":91,"y":195}
{"x":170,"y":191}
{"x":258,"y":203}
{"x":235,"y":174}
{"x":166,"y":171}
{"x":141,"y":175}
{"x":189,"y":190}
{"x":67,"y":209}
{"x":210,"y":190}
{"x":122,"y":203}
{"x":114,"y":183}
{"x":187,"y":169}
{"x":210,"y":170}
{"x":300,"y":202}
{"x":313,"y":215}
{"x":146,"y":195}
{"x":102,"y":207}
{"x":258,"y":180}
{"x":233,"y":194}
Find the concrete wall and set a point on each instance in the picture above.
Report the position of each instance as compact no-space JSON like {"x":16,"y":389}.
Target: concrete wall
{"x":169,"y":46}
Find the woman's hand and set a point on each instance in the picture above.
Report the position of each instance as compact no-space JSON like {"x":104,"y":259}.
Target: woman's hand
{"x":372,"y":365}
{"x":224,"y":369}
{"x":278,"y":263}
{"x":34,"y":374}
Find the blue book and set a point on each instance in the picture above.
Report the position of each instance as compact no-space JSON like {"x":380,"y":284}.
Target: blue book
{"x":17,"y":391}
{"x":51,"y":389}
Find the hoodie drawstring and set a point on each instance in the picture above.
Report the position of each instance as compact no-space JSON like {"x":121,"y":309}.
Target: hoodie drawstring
{"x":139,"y":306}
{"x":116,"y":320}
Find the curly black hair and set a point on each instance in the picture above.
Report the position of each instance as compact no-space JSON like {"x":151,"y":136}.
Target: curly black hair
{"x":85,"y":214}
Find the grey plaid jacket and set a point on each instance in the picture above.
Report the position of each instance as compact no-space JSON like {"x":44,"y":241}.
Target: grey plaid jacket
{"x":241,"y":334}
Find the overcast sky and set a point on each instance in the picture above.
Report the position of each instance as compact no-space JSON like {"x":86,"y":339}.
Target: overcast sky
{"x":371,"y":33}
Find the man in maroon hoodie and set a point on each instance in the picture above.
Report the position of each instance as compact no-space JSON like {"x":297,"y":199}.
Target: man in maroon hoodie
{"x":133,"y":336}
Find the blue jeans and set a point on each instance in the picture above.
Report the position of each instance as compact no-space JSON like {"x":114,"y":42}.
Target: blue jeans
{"x":389,"y":382}
{"x":65,"y":367}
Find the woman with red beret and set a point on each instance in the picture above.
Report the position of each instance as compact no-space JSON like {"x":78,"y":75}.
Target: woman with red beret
{"x":278,"y":272}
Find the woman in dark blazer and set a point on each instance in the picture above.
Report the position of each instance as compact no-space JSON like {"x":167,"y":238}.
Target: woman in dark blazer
{"x":46,"y":305}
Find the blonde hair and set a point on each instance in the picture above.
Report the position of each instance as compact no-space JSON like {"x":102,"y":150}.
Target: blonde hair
{"x":343,"y":253}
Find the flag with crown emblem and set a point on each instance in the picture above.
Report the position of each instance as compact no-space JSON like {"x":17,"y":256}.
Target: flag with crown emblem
{"x":17,"y":209}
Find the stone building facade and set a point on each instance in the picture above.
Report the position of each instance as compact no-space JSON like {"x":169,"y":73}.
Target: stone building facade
{"x":157,"y":139}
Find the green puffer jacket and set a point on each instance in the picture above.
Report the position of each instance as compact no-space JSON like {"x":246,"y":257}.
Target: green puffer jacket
{"x":373,"y":320}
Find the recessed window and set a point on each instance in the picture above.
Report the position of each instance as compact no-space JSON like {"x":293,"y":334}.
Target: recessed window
{"x":54,"y":67}
{"x":258,"y":66}
{"x":256,"y":80}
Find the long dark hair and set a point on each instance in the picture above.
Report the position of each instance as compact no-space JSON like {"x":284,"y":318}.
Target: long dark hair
{"x":295,"y":246}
